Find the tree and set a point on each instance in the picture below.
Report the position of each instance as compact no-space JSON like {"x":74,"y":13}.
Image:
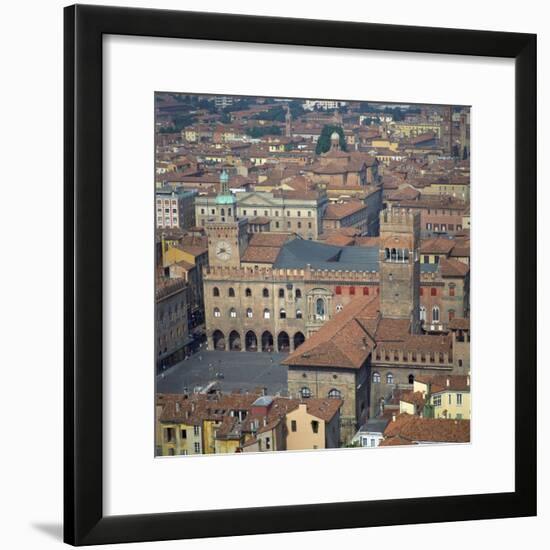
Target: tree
{"x":323,"y":143}
{"x":260,"y":131}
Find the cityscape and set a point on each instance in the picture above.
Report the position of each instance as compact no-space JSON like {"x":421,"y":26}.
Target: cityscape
{"x":312,"y":274}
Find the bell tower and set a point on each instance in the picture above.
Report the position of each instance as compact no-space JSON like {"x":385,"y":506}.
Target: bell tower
{"x":227,"y":234}
{"x":400,"y":265}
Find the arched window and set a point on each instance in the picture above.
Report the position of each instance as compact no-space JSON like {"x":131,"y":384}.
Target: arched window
{"x":233,"y":312}
{"x":215,"y":291}
{"x":217,"y":312}
{"x":352,"y":291}
{"x":298,"y":314}
{"x":231,"y":293}
{"x":265,"y":293}
{"x":435,"y":314}
{"x":422,"y":313}
{"x":389,"y":378}
{"x":451,"y":314}
{"x":411,"y":378}
{"x":393,"y":255}
{"x":222,"y":212}
{"x":282,"y":313}
{"x":320,"y":308}
{"x":298,"y":294}
{"x":305,"y":392}
{"x":387,"y":253}
{"x":267,"y":313}
{"x":452,"y":288}
{"x":249,"y":313}
{"x":281,"y":293}
{"x":376,"y":378}
{"x":335,"y":394}
{"x":248,"y":293}
{"x":365,"y":291}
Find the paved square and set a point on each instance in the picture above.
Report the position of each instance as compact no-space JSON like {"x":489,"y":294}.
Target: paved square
{"x":230,"y":370}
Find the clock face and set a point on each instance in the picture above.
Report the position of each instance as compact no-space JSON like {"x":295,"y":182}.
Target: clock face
{"x":223,"y":251}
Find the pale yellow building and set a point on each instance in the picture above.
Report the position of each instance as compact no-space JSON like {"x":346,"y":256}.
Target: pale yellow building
{"x":313,"y":427}
{"x":448,"y":396}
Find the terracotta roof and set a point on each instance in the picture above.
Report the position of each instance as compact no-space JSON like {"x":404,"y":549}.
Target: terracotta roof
{"x":193,"y":409}
{"x":344,"y":342}
{"x":342,"y":210}
{"x":437,"y":245}
{"x":407,"y":193}
{"x":269,"y":239}
{"x":261,"y":254}
{"x":396,"y":440}
{"x":339,"y":240}
{"x":441,"y":382}
{"x":325,"y":409}
{"x":453,"y":268}
{"x":392,"y":330}
{"x":416,"y":428}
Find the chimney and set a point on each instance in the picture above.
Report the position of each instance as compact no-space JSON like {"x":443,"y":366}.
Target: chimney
{"x":393,"y":417}
{"x":448,"y":382}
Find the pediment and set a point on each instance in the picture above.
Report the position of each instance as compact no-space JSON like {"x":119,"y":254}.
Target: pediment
{"x":257,"y":199}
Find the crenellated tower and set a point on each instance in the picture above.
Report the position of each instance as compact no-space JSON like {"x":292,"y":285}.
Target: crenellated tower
{"x":400,"y":265}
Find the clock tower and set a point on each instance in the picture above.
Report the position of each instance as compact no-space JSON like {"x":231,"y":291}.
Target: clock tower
{"x":227,"y":234}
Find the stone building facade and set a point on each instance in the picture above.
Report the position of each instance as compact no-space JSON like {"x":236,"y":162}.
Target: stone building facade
{"x":300,"y":212}
{"x":171,"y":321}
{"x":276,"y":306}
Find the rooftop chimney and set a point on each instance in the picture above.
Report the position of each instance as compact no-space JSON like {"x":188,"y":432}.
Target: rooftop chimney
{"x":448,"y":382}
{"x":393,"y":417}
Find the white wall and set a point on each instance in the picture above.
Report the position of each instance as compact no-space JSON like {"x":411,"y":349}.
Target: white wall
{"x":31,"y":351}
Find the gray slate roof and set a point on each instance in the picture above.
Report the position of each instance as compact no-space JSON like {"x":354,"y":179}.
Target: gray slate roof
{"x":298,"y":253}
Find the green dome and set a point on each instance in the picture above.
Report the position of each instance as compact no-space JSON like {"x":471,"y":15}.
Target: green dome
{"x":225,"y":199}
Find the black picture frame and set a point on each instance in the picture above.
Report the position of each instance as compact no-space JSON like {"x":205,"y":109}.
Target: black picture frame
{"x":84,"y":27}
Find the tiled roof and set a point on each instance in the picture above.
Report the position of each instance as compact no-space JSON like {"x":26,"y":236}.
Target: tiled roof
{"x":344,"y":342}
{"x":440,"y":382}
{"x":415,"y":398}
{"x":260,"y":254}
{"x":339,"y":211}
{"x":269,"y":239}
{"x":453,"y":268}
{"x":416,"y":428}
{"x":396,"y":440}
{"x":437,"y":245}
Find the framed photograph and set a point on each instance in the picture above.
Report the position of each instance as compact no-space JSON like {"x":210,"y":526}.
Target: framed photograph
{"x":300,"y":275}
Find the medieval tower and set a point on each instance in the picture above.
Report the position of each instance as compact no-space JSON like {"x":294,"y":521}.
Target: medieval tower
{"x":400,"y":265}
{"x":227,"y":235}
